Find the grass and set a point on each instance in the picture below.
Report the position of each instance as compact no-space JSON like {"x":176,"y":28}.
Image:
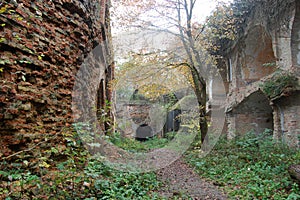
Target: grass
{"x":250,"y":167}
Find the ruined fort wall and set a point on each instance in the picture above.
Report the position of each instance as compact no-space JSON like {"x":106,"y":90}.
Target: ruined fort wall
{"x":43,"y":44}
{"x":268,"y":45}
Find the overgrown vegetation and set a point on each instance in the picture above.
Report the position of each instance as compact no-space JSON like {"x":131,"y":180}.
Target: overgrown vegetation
{"x":133,"y":145}
{"x":279,"y":83}
{"x":63,"y":169}
{"x":250,"y":167}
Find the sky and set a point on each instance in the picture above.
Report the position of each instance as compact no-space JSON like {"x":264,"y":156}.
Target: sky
{"x":204,"y":7}
{"x":130,"y":41}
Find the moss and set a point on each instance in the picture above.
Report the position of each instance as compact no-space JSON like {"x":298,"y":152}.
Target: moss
{"x":276,"y":85}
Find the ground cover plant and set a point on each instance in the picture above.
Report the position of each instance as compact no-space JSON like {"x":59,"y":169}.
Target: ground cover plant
{"x":250,"y":167}
{"x":133,"y":145}
{"x":63,"y":169}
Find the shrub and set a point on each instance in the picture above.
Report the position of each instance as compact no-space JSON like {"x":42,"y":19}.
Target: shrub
{"x":278,"y":83}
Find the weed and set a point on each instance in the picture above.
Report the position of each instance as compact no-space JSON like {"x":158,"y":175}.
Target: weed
{"x":66,"y":171}
{"x":250,"y":167}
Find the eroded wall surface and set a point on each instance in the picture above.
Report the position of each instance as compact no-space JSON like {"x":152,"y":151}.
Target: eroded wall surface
{"x":266,"y":48}
{"x":43,"y":44}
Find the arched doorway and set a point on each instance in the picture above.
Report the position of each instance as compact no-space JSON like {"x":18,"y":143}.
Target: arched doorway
{"x":254,"y":113}
{"x":257,"y":59}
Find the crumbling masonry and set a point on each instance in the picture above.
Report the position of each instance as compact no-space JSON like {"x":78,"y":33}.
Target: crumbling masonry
{"x":266,"y":52}
{"x":43,"y":44}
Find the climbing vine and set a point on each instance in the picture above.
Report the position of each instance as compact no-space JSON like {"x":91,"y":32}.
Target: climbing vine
{"x":228,"y":23}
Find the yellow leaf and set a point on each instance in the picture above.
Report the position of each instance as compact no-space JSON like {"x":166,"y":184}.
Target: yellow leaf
{"x":3,"y":9}
{"x":44,"y":164}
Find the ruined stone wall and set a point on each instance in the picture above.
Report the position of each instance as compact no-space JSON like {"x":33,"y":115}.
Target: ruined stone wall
{"x":264,"y":45}
{"x":43,"y":44}
{"x":267,"y":45}
{"x":296,"y":39}
{"x":254,"y":57}
{"x":252,"y":114}
{"x":287,"y":111}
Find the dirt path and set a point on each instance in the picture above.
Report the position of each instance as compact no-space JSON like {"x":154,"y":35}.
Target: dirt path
{"x":179,"y":178}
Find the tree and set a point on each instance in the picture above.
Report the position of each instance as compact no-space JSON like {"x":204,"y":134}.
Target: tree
{"x":176,"y":17}
{"x":194,"y":60}
{"x":151,"y":73}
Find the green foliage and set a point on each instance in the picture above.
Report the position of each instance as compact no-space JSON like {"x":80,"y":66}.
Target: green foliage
{"x":133,"y":145}
{"x":250,"y":167}
{"x":270,"y":64}
{"x":66,"y":171}
{"x":2,"y":40}
{"x":4,"y":62}
{"x":221,"y":29}
{"x":170,"y":101}
{"x":278,"y":83}
{"x":170,"y":135}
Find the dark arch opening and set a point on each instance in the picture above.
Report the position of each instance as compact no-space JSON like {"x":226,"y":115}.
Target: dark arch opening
{"x":254,"y":113}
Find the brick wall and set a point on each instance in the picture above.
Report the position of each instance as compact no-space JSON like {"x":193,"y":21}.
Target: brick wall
{"x":253,"y":58}
{"x":252,"y":114}
{"x":266,"y":41}
{"x":296,"y":39}
{"x":287,"y":110}
{"x":43,"y":44}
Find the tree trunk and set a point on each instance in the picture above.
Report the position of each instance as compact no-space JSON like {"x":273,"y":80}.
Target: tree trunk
{"x":195,"y":64}
{"x":200,"y":91}
{"x":202,"y":115}
{"x":203,"y":126}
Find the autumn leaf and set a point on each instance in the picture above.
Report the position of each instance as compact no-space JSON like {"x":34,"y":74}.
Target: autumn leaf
{"x":44,"y":164}
{"x":3,"y":9}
